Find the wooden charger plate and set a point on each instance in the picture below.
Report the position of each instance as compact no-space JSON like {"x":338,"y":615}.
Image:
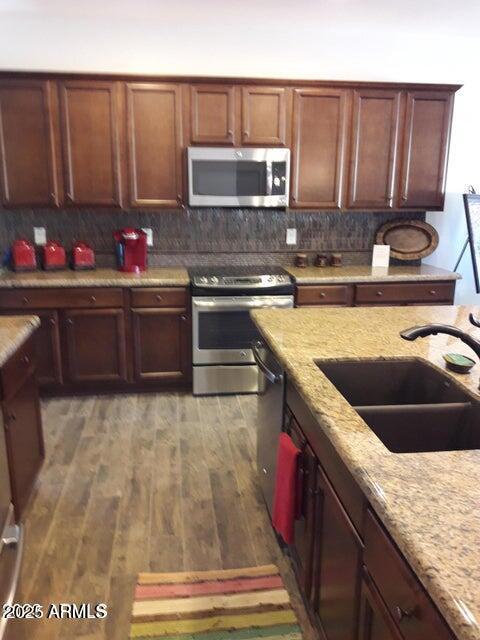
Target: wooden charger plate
{"x":408,"y":239}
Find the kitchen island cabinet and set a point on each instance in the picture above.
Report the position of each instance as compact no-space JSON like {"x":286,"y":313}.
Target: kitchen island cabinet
{"x":388,"y":527}
{"x":20,"y":406}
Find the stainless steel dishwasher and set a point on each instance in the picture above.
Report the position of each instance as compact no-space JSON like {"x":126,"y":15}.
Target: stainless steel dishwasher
{"x":271,"y":398}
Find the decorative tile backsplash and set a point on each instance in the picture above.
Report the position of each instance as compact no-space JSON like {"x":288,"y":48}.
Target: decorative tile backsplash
{"x":192,"y":236}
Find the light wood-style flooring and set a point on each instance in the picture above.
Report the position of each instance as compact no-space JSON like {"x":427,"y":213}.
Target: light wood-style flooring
{"x":153,"y":482}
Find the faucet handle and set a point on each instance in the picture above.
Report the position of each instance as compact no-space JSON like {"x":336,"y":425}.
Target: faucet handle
{"x":474,"y":321}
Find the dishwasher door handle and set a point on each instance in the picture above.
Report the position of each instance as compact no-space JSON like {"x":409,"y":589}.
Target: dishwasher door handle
{"x":274,"y":378}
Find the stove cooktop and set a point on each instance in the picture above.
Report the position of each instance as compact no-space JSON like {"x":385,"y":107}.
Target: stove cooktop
{"x":242,"y":277}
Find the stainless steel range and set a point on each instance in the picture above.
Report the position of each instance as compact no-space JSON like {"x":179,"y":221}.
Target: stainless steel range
{"x":223,"y":331}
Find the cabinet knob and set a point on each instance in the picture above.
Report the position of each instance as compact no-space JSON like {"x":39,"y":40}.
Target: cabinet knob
{"x":52,"y":321}
{"x":404,"y":197}
{"x":26,"y":360}
{"x":93,"y":299}
{"x":69,"y":322}
{"x":25,"y":300}
{"x":294,"y":198}
{"x":179,"y":197}
{"x":246,"y":133}
{"x":52,"y":196}
{"x":433,"y":292}
{"x":402,"y":614}
{"x":158,"y":297}
{"x":379,"y":293}
{"x":322,"y":294}
{"x":183,"y":318}
{"x":68,"y":197}
{"x":230,"y":133}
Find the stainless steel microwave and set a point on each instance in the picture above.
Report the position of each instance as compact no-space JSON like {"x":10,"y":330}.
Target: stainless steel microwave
{"x":242,"y":177}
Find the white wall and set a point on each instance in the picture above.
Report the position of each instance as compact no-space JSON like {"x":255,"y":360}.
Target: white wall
{"x":404,"y":40}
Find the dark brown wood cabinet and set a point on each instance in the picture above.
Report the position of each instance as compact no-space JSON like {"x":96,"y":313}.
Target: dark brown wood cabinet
{"x":425,"y":149}
{"x":264,"y":116}
{"x":90,"y":142}
{"x":336,"y":560}
{"x":154,"y":123}
{"x":212,"y":114}
{"x":161,"y":344}
{"x":95,"y":345}
{"x":319,"y":135}
{"x":375,"y":622}
{"x":28,"y":168}
{"x":22,"y":422}
{"x":374,"y":148}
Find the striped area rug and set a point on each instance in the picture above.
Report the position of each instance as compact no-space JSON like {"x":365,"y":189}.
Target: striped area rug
{"x":233,"y":604}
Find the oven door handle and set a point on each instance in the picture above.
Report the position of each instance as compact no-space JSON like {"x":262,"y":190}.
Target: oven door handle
{"x":238,"y":304}
{"x":274,"y":378}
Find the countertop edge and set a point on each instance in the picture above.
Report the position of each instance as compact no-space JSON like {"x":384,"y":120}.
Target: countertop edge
{"x":30,"y":324}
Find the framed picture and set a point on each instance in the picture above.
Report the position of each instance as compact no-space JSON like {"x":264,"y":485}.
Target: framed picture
{"x":472,"y":211}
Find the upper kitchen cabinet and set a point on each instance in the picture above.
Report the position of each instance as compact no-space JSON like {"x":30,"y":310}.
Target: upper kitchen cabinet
{"x":90,"y":142}
{"x":319,"y":132}
{"x":264,"y":116}
{"x":27,"y":155}
{"x":375,"y":126}
{"x":154,"y":119}
{"x":425,"y":149}
{"x":212,"y":114}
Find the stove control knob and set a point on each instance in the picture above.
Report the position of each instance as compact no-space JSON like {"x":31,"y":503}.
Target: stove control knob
{"x":213,"y":279}
{"x":203,"y":280}
{"x":270,"y":278}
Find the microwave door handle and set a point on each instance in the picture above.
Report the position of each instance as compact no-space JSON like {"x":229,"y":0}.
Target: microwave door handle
{"x":269,"y":178}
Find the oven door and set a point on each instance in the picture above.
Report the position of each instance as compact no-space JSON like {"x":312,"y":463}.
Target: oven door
{"x":219,"y":177}
{"x":223,"y":330}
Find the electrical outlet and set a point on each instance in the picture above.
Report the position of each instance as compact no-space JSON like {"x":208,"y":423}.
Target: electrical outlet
{"x":291,"y":236}
{"x":39,"y":235}
{"x":149,"y":233}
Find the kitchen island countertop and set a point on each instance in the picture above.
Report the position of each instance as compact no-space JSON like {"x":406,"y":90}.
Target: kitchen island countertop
{"x":154,"y":277}
{"x":14,"y":331}
{"x":429,"y":502}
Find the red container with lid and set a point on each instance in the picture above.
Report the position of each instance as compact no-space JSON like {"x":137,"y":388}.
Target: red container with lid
{"x":54,"y":256}
{"x":131,"y":249}
{"x":83,"y":256}
{"x":23,"y":256}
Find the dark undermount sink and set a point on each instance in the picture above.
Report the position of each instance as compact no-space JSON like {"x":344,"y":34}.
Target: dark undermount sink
{"x":409,"y":405}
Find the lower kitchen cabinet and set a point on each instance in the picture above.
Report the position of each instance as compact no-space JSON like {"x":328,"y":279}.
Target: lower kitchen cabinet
{"x":336,"y":560}
{"x":375,"y":622}
{"x":95,"y":345}
{"x":22,"y":423}
{"x":354,"y":580}
{"x":161,"y":344}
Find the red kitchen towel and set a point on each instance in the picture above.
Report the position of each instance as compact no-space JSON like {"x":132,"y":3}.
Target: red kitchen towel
{"x":284,"y":503}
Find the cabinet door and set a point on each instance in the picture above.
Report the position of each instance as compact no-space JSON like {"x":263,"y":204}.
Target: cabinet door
{"x":375,"y":622}
{"x":90,"y":142}
{"x":264,"y":120}
{"x":318,"y":147}
{"x":374,"y":148}
{"x":24,"y":437}
{"x":154,"y":144}
{"x":161,"y":338}
{"x":425,"y":148}
{"x":212,"y":111}
{"x":27,"y":157}
{"x":337,"y":559}
{"x":95,"y":342}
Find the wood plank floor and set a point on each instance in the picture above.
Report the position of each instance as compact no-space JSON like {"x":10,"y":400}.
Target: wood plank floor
{"x":132,"y":483}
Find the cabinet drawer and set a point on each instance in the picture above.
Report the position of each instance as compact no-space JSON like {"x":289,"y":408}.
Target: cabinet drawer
{"x":324,"y":294}
{"x":405,"y":292}
{"x":18,"y":368}
{"x":60,"y":298}
{"x":162,"y":297}
{"x":401,"y":591}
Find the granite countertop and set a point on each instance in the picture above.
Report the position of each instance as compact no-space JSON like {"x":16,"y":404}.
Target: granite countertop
{"x":154,"y":277}
{"x":367,"y":273}
{"x":14,"y":330}
{"x":429,"y":502}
